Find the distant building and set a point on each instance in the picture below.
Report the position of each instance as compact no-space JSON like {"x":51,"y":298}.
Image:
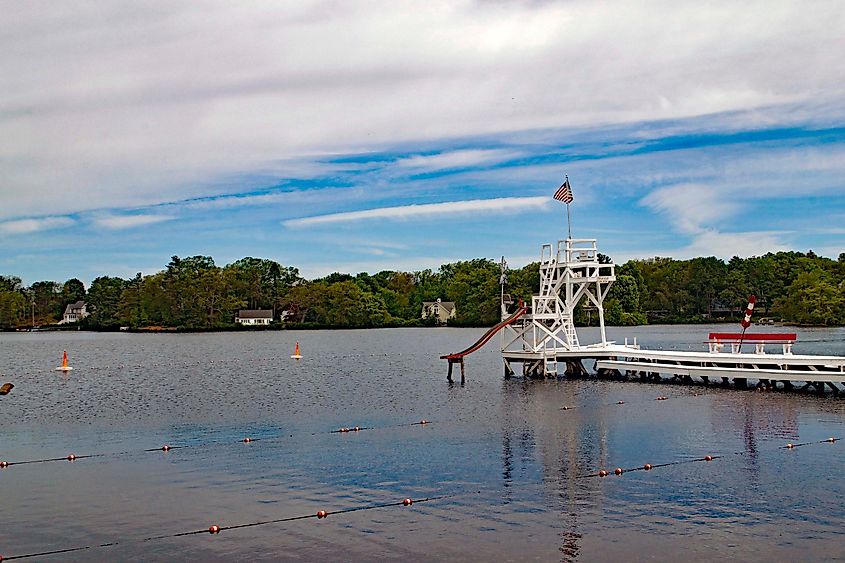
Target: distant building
{"x":74,"y":312}
{"x":254,"y":316}
{"x":441,"y":311}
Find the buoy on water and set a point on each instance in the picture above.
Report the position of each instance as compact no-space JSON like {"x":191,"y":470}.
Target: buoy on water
{"x":296,"y":355}
{"x":64,"y":366}
{"x":5,"y":388}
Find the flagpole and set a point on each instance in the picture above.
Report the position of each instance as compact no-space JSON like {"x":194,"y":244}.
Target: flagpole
{"x":568,"y":222}
{"x":568,"y":219}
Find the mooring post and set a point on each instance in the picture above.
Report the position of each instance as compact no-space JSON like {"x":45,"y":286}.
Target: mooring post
{"x":462,"y":371}
{"x":449,"y":376}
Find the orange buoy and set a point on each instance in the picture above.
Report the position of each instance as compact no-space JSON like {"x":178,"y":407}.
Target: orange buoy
{"x":647,"y":466}
{"x":602,"y":473}
{"x":708,"y":458}
{"x":789,"y":446}
{"x":620,"y":402}
{"x":64,"y":366}
{"x":296,"y":355}
{"x":321,"y":514}
{"x":357,"y":428}
{"x":214,"y":529}
{"x":618,"y":471}
{"x":165,"y":448}
{"x":831,"y":439}
{"x":247,"y":440}
{"x":344,"y":429}
{"x":4,"y":464}
{"x":71,"y":457}
{"x":423,"y":421}
{"x":407,"y":502}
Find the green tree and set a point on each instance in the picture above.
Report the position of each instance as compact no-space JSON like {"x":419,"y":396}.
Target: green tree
{"x":104,"y":301}
{"x":813,"y":298}
{"x":13,"y":302}
{"x":73,"y":290}
{"x":48,"y":301}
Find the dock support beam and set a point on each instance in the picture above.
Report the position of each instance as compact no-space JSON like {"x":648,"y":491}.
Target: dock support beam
{"x":508,"y":369}
{"x":452,"y":362}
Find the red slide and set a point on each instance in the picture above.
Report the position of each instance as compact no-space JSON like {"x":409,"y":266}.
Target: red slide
{"x":487,"y":335}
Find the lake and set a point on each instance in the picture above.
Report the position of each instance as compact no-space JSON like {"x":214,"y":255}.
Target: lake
{"x":515,"y":470}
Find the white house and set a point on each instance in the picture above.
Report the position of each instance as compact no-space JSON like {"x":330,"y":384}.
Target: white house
{"x":74,"y":312}
{"x":254,"y":316}
{"x":442,"y":311}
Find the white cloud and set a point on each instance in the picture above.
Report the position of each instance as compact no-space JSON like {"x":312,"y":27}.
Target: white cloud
{"x":690,"y":207}
{"x":24,"y":226}
{"x":292,"y":197}
{"x":129,"y":221}
{"x":121,"y":106}
{"x":726,"y":245}
{"x":498,"y":205}
{"x":456,"y":159}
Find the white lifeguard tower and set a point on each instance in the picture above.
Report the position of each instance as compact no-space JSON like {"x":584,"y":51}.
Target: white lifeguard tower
{"x":569,"y":272}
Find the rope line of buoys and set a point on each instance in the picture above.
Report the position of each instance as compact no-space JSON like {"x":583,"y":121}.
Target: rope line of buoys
{"x":790,"y":445}
{"x":217,"y":528}
{"x":167,"y":447}
{"x":621,"y":402}
{"x":321,"y":514}
{"x":707,"y":458}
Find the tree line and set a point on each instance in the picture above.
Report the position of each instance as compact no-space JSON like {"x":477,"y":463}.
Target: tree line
{"x":193,"y":293}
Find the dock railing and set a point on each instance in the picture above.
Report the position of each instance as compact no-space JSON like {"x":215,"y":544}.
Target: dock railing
{"x":717,"y":340}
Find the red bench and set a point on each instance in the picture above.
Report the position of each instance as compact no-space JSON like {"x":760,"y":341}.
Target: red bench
{"x":716,"y":340}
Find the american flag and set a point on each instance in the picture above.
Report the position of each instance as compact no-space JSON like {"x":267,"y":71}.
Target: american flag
{"x":564,"y":193}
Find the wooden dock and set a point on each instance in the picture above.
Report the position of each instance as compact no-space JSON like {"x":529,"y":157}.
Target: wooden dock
{"x":741,"y":370}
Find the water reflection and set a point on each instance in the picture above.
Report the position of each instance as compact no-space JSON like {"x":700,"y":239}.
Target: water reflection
{"x":508,"y":439}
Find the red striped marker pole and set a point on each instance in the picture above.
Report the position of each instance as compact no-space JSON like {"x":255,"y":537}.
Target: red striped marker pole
{"x":746,"y":321}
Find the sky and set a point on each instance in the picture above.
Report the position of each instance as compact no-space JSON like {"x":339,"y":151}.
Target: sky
{"x":391,"y":135}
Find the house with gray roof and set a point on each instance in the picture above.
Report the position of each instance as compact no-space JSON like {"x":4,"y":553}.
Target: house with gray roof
{"x":74,"y":312}
{"x":440,"y":310}
{"x":254,"y":317}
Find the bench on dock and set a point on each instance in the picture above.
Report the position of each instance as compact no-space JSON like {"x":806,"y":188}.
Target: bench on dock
{"x":716,"y":340}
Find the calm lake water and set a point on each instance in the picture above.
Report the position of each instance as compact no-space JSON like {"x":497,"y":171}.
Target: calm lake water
{"x":511,"y":460}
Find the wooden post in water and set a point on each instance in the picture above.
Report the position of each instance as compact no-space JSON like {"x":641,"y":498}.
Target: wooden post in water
{"x":463,"y":378}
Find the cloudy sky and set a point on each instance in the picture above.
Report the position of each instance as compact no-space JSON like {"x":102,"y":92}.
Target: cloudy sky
{"x":361,"y":136}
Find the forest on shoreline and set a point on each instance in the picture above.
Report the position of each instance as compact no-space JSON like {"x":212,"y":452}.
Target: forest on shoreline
{"x":193,"y":293}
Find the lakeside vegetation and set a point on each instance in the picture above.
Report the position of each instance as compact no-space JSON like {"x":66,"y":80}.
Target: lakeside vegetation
{"x":194,"y":293}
